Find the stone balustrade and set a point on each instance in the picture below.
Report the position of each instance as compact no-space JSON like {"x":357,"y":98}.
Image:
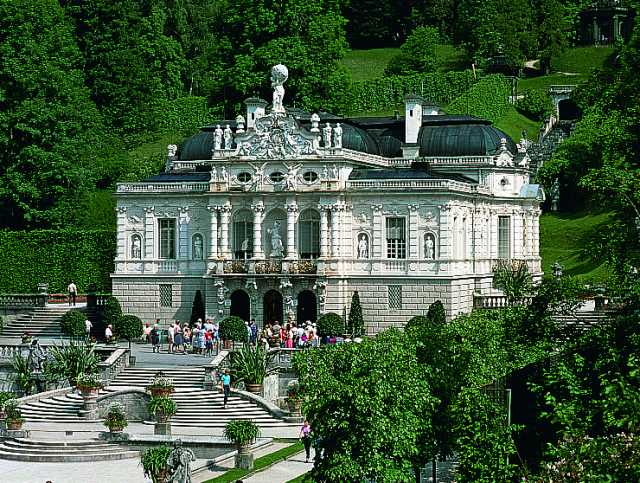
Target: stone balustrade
{"x":162,"y":187}
{"x":492,"y":301}
{"x":282,"y":357}
{"x":8,"y":352}
{"x":23,"y":301}
{"x":113,"y":365}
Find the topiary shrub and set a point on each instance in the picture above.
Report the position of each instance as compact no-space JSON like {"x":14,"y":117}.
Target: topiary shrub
{"x":436,"y":313}
{"x":417,"y":322}
{"x":234,"y":328}
{"x":356,"y":321}
{"x":330,"y":325}
{"x":111,"y":310}
{"x":72,"y":323}
{"x":128,"y":327}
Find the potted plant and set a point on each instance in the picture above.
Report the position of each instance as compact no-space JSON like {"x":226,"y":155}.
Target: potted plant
{"x":242,"y":434}
{"x":251,"y":365}
{"x":4,"y":397}
{"x":154,"y":463}
{"x":161,"y":386}
{"x":26,"y":338}
{"x":89,"y":384}
{"x":233,"y":329}
{"x":294,"y":397}
{"x":116,"y":419}
{"x":13,"y":415}
{"x":162,"y":408}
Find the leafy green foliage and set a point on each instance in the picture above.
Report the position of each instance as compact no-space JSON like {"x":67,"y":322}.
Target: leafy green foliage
{"x":356,"y":320}
{"x":330,"y":325}
{"x":436,"y":313}
{"x":72,"y":323}
{"x":417,"y":54}
{"x":197,"y":309}
{"x":513,"y":278}
{"x":13,"y":412}
{"x":128,"y":327}
{"x":22,"y":374}
{"x":535,"y":105}
{"x":241,"y":432}
{"x":162,"y":404}
{"x":67,"y":362}
{"x":111,"y":311}
{"x":116,"y":417}
{"x":234,"y":328}
{"x":56,"y":257}
{"x":154,"y":462}
{"x":487,"y":99}
{"x":484,"y":440}
{"x":4,"y":397}
{"x":251,"y":364}
{"x":380,"y":94}
{"x":375,"y":420}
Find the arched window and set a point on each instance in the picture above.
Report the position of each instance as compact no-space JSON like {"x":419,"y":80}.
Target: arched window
{"x":309,"y":234}
{"x":243,"y":235}
{"x":136,"y":247}
{"x":197,"y":247}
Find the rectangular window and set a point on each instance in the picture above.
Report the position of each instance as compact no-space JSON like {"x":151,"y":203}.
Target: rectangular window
{"x":167,"y":237}
{"x":504,"y":237}
{"x":309,"y":237}
{"x":166,"y":295}
{"x":395,"y":296}
{"x":396,"y":238}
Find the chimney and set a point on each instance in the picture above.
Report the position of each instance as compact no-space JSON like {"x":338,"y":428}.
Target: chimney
{"x":255,"y":110}
{"x":412,"y":118}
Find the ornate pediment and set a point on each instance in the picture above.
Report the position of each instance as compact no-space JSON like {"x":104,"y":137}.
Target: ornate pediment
{"x":276,"y":136}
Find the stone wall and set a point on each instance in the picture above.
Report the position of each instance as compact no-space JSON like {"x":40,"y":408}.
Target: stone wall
{"x":135,"y":402}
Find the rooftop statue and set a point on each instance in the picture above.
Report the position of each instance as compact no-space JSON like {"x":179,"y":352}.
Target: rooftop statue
{"x":279,"y":75}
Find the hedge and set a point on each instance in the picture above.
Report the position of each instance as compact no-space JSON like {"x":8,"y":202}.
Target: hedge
{"x":72,"y":323}
{"x":56,"y":257}
{"x":234,"y":328}
{"x":488,"y":99}
{"x":385,"y":92}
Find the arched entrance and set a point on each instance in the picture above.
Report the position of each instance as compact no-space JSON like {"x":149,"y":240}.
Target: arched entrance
{"x":240,"y":305}
{"x":568,"y":110}
{"x":307,"y":306}
{"x":272,"y":307}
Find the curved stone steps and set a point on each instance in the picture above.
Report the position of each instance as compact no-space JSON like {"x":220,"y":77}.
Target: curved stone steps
{"x":59,"y":452}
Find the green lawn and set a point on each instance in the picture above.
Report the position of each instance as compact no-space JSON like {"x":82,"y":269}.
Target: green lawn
{"x":562,"y":236}
{"x":370,"y":64}
{"x":157,"y":146}
{"x":259,"y":464}
{"x":581,"y":59}
{"x":544,"y":82}
{"x":300,"y":479}
{"x":513,"y":123}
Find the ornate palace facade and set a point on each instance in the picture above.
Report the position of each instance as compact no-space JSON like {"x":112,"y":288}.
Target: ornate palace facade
{"x":282,"y":213}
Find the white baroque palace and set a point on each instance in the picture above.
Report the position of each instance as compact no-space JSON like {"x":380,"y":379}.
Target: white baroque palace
{"x":282,"y":214}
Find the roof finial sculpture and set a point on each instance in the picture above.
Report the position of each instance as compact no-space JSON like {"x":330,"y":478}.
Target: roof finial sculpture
{"x":279,"y":75}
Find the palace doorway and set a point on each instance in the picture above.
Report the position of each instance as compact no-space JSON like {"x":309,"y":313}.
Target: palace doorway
{"x":307,"y":307}
{"x":240,"y":305}
{"x":272,"y":308}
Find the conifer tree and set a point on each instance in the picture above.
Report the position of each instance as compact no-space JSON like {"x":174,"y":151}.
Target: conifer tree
{"x":356,"y":321}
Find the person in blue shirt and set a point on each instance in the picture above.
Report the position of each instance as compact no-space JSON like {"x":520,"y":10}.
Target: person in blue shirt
{"x":225,"y":383}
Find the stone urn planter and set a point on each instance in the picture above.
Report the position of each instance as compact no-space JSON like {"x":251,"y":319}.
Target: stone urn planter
{"x":254,"y":388}
{"x":89,"y":392}
{"x":160,"y":391}
{"x":14,"y":424}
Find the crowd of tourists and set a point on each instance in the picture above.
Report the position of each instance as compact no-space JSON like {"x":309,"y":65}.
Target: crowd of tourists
{"x":290,"y":335}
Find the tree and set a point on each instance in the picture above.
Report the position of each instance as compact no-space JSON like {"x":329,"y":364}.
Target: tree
{"x":52,"y":135}
{"x":375,"y":420}
{"x":376,"y":23}
{"x":197,"y":310}
{"x":417,"y":54}
{"x":128,"y":327}
{"x":356,"y":321}
{"x":330,"y":325}
{"x":436,"y":313}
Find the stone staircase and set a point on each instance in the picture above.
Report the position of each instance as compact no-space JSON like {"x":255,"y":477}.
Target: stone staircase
{"x":541,"y":152}
{"x":62,"y":451}
{"x":42,"y":322}
{"x":581,"y":321}
{"x":196,"y":407}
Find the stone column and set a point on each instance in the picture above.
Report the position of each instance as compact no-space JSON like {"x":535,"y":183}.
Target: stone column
{"x":346,"y":225}
{"x":213,"y":243}
{"x":378,"y":236}
{"x":413,"y":249}
{"x":121,"y":248}
{"x":258,"y":211}
{"x":446,"y":236}
{"x":183,"y":232}
{"x":149,"y":225}
{"x":324,"y":231}
{"x":224,"y":220}
{"x":292,"y":210}
{"x":493,"y":239}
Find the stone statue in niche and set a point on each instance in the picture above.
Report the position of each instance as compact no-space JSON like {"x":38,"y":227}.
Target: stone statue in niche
{"x":337,"y":136}
{"x":223,"y":174}
{"x":363,"y":247}
{"x":279,"y":75}
{"x":277,"y":248}
{"x":179,"y":464}
{"x":335,"y":172}
{"x":228,"y":137}
{"x":326,"y":135}
{"x":136,"y":247}
{"x":217,"y":138}
{"x":198,"y":247}
{"x":429,"y":247}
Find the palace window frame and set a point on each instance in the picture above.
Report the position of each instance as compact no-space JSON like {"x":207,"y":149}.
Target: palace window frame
{"x":167,"y":233}
{"x":243,"y":230}
{"x":309,"y":235}
{"x":504,"y":237}
{"x":396,"y":237}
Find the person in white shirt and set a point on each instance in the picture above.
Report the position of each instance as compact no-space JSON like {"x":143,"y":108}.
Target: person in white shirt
{"x":108,"y":333}
{"x":73,"y":291}
{"x":171,"y":332}
{"x":87,"y":328}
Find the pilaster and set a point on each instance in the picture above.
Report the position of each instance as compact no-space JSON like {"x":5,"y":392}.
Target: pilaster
{"x":121,"y":217}
{"x":213,"y":244}
{"x":183,"y":232}
{"x":324,"y":230}
{"x":225,"y":216}
{"x":378,"y":238}
{"x":292,"y":215}
{"x":413,"y":235}
{"x":258,"y":215}
{"x":149,"y":226}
